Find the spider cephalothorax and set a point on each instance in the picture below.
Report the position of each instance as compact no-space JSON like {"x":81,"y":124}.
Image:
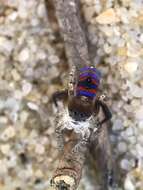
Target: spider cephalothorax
{"x":80,"y":108}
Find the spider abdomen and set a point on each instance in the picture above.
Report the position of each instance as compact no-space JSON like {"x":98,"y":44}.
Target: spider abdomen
{"x":88,"y":82}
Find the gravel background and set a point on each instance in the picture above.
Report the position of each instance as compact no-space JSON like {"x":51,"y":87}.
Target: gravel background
{"x":33,"y":65}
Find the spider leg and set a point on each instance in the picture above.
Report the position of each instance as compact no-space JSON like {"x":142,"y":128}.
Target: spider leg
{"x":106,"y":112}
{"x":100,"y":149}
{"x":63,"y":94}
{"x":105,"y":109}
{"x":96,"y":107}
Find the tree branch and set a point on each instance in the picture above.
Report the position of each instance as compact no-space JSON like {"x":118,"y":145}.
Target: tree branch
{"x":70,"y":23}
{"x":69,"y":170}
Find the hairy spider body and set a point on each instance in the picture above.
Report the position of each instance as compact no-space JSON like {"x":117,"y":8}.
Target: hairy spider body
{"x":82,"y":97}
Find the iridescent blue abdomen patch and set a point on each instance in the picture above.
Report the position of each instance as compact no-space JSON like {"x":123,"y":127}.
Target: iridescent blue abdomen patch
{"x":88,"y":82}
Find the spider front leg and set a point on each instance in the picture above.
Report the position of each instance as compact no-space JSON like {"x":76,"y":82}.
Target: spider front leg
{"x":107,"y":114}
{"x":59,"y":95}
{"x":102,"y":153}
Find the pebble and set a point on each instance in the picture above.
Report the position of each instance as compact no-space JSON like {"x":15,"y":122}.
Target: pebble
{"x":122,"y":147}
{"x":25,"y":174}
{"x":107,"y":17}
{"x":6,"y":46}
{"x":24,"y":55}
{"x":139,"y":113}
{"x":41,"y":55}
{"x":134,"y":52}
{"x":3,"y":167}
{"x":13,"y":16}
{"x":22,"y":12}
{"x":118,"y":124}
{"x":135,"y":103}
{"x":29,"y":72}
{"x":5,"y":149}
{"x":125,"y":164}
{"x":26,"y":88}
{"x":127,"y":123}
{"x":12,"y":104}
{"x":132,"y":140}
{"x":39,"y":149}
{"x":140,"y":125}
{"x":139,"y":149}
{"x":113,"y":139}
{"x":107,"y":48}
{"x":23,"y":133}
{"x":35,"y":22}
{"x":3,"y":120}
{"x":135,"y":90}
{"x":122,"y":51}
{"x":129,"y":131}
{"x":15,"y":75}
{"x":18,"y":94}
{"x":24,"y":116}
{"x":128,"y":184}
{"x":89,"y":12}
{"x":141,"y":38}
{"x":8,"y":133}
{"x":38,"y":173}
{"x":53,"y":59}
{"x":41,"y":11}
{"x":131,"y":67}
{"x":45,"y":99}
{"x":33,"y":106}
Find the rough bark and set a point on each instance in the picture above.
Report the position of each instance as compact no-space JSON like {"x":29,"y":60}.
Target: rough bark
{"x":70,"y":23}
{"x":69,"y":170}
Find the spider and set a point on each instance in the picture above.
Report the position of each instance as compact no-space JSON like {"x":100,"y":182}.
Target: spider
{"x":81,"y":96}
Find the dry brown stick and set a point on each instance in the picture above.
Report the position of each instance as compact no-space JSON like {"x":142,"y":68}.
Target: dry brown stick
{"x":69,"y":170}
{"x":70,"y":23}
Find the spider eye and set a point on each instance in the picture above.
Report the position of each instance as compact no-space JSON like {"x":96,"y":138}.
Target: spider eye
{"x":81,"y":114}
{"x":103,"y":96}
{"x":75,"y":113}
{"x":89,"y":80}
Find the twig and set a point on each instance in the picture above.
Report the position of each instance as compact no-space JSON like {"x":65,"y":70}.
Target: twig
{"x":69,"y":170}
{"x":70,"y":23}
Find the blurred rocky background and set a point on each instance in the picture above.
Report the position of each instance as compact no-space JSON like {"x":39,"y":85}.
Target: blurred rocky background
{"x":33,"y":65}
